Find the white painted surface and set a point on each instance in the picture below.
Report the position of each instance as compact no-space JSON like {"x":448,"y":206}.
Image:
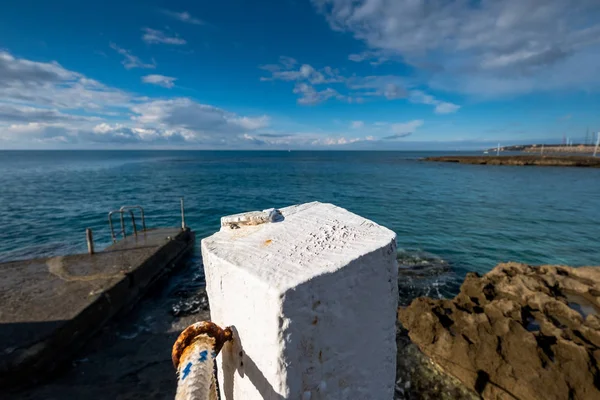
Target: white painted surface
{"x":313,"y":302}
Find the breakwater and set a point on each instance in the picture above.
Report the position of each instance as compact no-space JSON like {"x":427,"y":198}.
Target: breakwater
{"x":524,"y":160}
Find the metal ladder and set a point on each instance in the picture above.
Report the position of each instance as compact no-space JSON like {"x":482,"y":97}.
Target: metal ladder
{"x":121,"y":211}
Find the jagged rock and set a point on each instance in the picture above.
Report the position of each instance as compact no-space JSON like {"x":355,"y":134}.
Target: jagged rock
{"x":518,"y":332}
{"x":417,"y":377}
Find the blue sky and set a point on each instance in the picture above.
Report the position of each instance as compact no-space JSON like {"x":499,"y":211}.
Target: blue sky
{"x":297,"y":74}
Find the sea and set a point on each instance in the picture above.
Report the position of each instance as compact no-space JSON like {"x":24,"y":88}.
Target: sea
{"x":451,"y":217}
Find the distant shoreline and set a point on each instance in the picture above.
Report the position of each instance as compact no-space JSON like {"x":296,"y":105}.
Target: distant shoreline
{"x":547,"y":161}
{"x":548,"y":148}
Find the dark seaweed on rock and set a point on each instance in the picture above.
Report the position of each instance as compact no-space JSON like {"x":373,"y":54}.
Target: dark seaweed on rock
{"x":418,"y":378}
{"x":424,"y":274}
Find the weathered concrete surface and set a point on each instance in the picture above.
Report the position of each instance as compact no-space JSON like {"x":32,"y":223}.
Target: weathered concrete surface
{"x":49,"y":307}
{"x":312,"y":300}
{"x":130,"y":358}
{"x":546,"y":161}
{"x":518,"y":332}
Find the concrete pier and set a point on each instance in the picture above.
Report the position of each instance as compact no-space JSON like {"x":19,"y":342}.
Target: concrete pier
{"x":49,"y":307}
{"x":311,"y":298}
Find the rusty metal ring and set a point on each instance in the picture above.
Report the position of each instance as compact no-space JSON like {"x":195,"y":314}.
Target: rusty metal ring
{"x":191,"y":333}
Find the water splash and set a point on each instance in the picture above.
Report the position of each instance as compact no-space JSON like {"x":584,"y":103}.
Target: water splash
{"x":188,"y":295}
{"x":425,"y":274}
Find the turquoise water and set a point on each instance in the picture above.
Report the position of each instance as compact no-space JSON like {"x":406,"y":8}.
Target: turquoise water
{"x":470,"y":216}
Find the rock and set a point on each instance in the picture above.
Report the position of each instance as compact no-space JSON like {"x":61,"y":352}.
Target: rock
{"x":417,"y":377}
{"x":518,"y":332}
{"x":548,"y":161}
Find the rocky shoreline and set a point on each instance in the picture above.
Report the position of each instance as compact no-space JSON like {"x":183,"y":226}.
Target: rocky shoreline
{"x":546,"y":161}
{"x":518,"y":332}
{"x":527,"y":336}
{"x":549,"y":148}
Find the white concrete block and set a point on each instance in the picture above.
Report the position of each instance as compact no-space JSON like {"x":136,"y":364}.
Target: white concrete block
{"x":312,"y":300}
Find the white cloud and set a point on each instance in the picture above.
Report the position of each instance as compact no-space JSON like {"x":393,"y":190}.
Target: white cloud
{"x":154,"y":122}
{"x":253,"y":140}
{"x":287,"y":62}
{"x":406,"y":127}
{"x":130,"y":61}
{"x":48,"y":85}
{"x":42,"y":102}
{"x":69,"y":134}
{"x":386,"y":130}
{"x":446,"y":108}
{"x":33,"y":132}
{"x":338,"y":141}
{"x":375,"y":58}
{"x":183,"y":16}
{"x":116,"y":133}
{"x":389,"y":86}
{"x":379,"y":134}
{"x":288,"y":70}
{"x":441,"y":107}
{"x":307,"y":77}
{"x":153,"y":36}
{"x":199,"y":120}
{"x":310,"y":96}
{"x":17,"y":70}
{"x":160,"y":80}
{"x":11,"y":113}
{"x":252,"y":123}
{"x":357,"y":88}
{"x":125,"y":133}
{"x":485,"y":47}
{"x":302,"y":139}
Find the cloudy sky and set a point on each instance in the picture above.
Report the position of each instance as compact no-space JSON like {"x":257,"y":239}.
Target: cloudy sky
{"x":297,"y":74}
